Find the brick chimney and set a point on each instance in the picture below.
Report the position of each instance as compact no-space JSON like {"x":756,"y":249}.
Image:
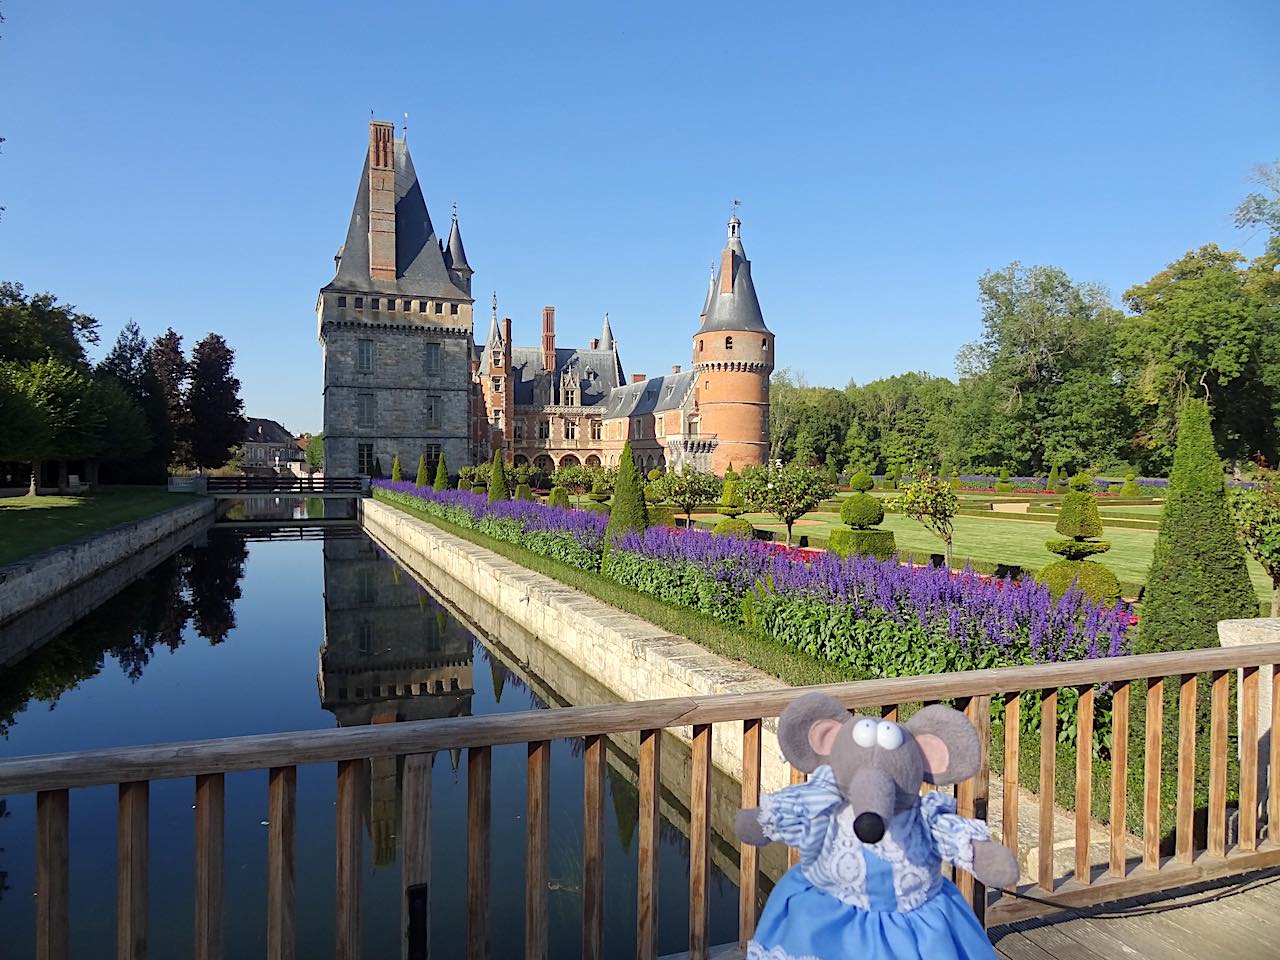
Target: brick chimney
{"x":594,"y":343}
{"x":675,"y":368}
{"x":549,"y":339}
{"x":382,"y":201}
{"x":638,"y":378}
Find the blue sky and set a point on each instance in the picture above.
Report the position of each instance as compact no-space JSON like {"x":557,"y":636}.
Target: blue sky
{"x":194,"y":165}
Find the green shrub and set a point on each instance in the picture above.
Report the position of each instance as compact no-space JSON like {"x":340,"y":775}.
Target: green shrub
{"x":833,"y":473}
{"x":498,"y":489}
{"x":523,"y":492}
{"x":955,"y":481}
{"x":559,"y":498}
{"x":1130,"y":487}
{"x":396,"y":475}
{"x":733,"y":527}
{"x":731,"y":502}
{"x":1096,"y":581}
{"x":597,"y":507}
{"x":1198,"y":574}
{"x":463,"y":484}
{"x":1074,"y":549}
{"x":1004,"y":473}
{"x":630,"y":512}
{"x":442,"y":475}
{"x":891,"y":479}
{"x":654,"y":474}
{"x":1081,"y":483}
{"x":377,"y":468}
{"x":1052,"y":481}
{"x":877,"y":543}
{"x":1079,"y":516}
{"x":421,"y":479}
{"x":861,"y":482}
{"x":663,"y":516}
{"x":861,"y":510}
{"x":1002,"y":486}
{"x":599,"y":492}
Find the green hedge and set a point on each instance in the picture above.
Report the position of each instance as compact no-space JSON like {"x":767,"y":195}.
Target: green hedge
{"x":734,"y":527}
{"x":877,"y":543}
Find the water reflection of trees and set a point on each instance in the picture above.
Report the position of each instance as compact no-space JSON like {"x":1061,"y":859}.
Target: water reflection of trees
{"x":198,"y":586}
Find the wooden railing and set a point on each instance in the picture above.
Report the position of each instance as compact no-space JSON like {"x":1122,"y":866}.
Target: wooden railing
{"x":299,"y":486}
{"x":738,"y":715}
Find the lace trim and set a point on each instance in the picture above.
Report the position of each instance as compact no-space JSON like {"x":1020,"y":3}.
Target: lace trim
{"x":757,"y":952}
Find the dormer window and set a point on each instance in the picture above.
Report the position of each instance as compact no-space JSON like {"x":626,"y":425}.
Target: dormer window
{"x":728,"y":343}
{"x":497,"y":359}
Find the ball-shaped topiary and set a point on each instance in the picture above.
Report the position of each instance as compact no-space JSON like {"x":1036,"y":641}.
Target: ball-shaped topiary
{"x":1096,"y":582}
{"x":861,"y":482}
{"x":559,"y":498}
{"x":1003,"y":486}
{"x":1130,"y":487}
{"x":734,"y":527}
{"x":861,"y":511}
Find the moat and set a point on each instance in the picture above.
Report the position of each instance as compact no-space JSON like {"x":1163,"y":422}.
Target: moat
{"x":261,"y":629}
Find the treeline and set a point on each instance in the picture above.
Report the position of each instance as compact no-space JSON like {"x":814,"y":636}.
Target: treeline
{"x":1062,"y":377}
{"x":144,"y":408}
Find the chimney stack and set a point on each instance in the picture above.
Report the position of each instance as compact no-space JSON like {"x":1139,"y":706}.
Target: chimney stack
{"x":675,"y":368}
{"x":382,"y":201}
{"x":638,"y":378}
{"x":549,"y":339}
{"x":595,"y":343}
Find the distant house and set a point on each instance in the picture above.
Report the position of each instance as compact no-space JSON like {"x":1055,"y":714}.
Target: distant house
{"x":269,"y":447}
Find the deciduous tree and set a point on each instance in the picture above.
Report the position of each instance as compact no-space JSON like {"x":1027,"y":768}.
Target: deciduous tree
{"x":788,"y":492}
{"x":687,"y":488}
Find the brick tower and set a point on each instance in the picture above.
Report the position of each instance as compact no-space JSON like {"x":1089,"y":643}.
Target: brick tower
{"x":733,"y":358}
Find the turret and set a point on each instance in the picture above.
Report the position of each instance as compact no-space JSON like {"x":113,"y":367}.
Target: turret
{"x":455,"y":256}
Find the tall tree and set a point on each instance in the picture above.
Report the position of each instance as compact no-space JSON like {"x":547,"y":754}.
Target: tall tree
{"x":213,"y":399}
{"x":172,"y":371}
{"x":22,"y":420}
{"x":315,"y":452}
{"x":130,"y":363}
{"x":73,"y":425}
{"x":38,"y":327}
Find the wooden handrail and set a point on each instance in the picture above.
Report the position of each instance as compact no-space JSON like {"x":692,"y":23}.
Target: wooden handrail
{"x":89,"y":768}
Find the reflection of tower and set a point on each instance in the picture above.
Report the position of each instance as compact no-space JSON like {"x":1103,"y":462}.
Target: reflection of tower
{"x":390,"y":653}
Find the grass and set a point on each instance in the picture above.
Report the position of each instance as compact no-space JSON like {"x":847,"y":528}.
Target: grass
{"x":790,"y":666}
{"x":29,"y":525}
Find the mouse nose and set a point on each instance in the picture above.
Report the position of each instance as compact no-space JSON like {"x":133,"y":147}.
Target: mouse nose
{"x":868,"y":827}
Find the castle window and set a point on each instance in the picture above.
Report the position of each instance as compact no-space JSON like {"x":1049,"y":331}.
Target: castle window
{"x":453,"y":309}
{"x":367,"y":587}
{"x":662,"y":425}
{"x":432,"y":453}
{"x":571,"y":396}
{"x":359,"y":303}
{"x":364,"y":356}
{"x":728,"y":343}
{"x":422,"y":306}
{"x":433,"y":358}
{"x":544,"y":429}
{"x":342,"y":301}
{"x":706,"y":384}
{"x":764,"y":343}
{"x":701,"y":344}
{"x":375,"y":303}
{"x":495,"y":384}
{"x":366,"y":637}
{"x":496,"y":360}
{"x":439,"y":308}
{"x":365,"y":413}
{"x":365,"y":456}
{"x":433,"y":411}
{"x":518,"y":426}
{"x":406,"y":306}
{"x":571,"y":429}
{"x":595,"y":429}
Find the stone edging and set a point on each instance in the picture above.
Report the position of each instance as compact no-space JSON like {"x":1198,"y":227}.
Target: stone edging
{"x":31,"y":581}
{"x":634,"y":658}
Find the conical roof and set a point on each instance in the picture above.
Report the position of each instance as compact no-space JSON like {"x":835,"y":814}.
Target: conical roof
{"x":606,"y":335}
{"x":455,"y":252}
{"x":732,"y":303}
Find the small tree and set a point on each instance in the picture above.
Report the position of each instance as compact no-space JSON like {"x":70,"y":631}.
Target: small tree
{"x":315,"y":452}
{"x":629,"y":512}
{"x":498,"y":489}
{"x":1257,"y":515}
{"x":397,"y":475}
{"x":1198,"y":573}
{"x":930,"y":501}
{"x":833,"y":473}
{"x":688,"y":488}
{"x":574,"y":478}
{"x":421,"y":479}
{"x":442,"y":475}
{"x":786,"y":492}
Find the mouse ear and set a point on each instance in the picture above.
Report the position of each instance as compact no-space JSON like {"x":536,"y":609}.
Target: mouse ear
{"x":808,"y":728}
{"x":948,"y":744}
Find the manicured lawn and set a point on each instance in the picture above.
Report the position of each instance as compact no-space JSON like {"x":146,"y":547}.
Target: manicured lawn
{"x":31,"y":524}
{"x":1009,"y":541}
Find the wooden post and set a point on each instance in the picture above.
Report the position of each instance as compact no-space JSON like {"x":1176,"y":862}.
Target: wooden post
{"x":282,"y":813}
{"x":350,"y":857}
{"x":748,"y":855}
{"x":700,"y":843}
{"x":647,"y":855}
{"x":1048,"y":783}
{"x":209,"y":866}
{"x":479,"y":776}
{"x":415,"y":853}
{"x":1084,"y":783}
{"x":593,"y":762}
{"x":1119,"y":776}
{"x":53,"y":857}
{"x":971,"y":797}
{"x":1151,"y":775}
{"x":1012,"y":742}
{"x":536,"y":850}
{"x":131,"y":871}
{"x":1184,"y":825}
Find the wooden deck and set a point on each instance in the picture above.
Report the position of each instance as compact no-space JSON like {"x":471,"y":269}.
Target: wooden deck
{"x":1222,"y":920}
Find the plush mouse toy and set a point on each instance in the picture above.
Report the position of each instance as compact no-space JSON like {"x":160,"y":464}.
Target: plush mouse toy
{"x":869,"y":883}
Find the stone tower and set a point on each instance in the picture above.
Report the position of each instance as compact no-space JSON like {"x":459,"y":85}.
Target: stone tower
{"x":395,"y":326}
{"x":733,"y":358}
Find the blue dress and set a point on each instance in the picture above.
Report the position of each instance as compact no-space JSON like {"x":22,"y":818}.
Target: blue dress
{"x":879,"y":901}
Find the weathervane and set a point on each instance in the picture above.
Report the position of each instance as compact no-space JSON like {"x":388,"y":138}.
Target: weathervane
{"x":495,"y":304}
{"x":405,"y":128}
{"x":736,"y":205}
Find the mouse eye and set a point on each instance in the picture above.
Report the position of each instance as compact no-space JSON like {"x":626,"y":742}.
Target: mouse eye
{"x":888,"y":735}
{"x":864,"y":733}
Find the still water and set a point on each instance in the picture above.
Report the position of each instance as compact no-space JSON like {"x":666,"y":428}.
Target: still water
{"x":259,"y":630}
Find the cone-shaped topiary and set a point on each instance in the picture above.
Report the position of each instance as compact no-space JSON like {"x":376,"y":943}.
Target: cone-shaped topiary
{"x":861,"y":511}
{"x":1004,"y":473}
{"x":955,"y":482}
{"x":421,"y":479}
{"x":630,"y":512}
{"x":861,"y":482}
{"x":731,"y":502}
{"x":734,"y":527}
{"x":559,"y":497}
{"x":396,"y":475}
{"x":442,"y":475}
{"x":523,"y":492}
{"x":1198,"y":574}
{"x":833,"y":473}
{"x":1052,"y":482}
{"x":1079,"y":523}
{"x":498,"y":489}
{"x":1130,"y":487}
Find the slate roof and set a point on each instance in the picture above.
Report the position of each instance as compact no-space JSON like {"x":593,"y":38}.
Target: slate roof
{"x":655,"y":395}
{"x":455,"y":254}
{"x":420,"y":266}
{"x":526,"y":363}
{"x":739,"y":310}
{"x":257,"y":430}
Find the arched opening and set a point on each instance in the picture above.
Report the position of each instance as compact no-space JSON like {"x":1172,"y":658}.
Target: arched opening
{"x":593,"y":461}
{"x":569,"y":460}
{"x":544,"y":463}
{"x":728,"y":343}
{"x":520,"y":460}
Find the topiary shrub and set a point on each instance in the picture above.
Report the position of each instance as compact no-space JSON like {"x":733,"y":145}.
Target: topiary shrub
{"x":422,"y":478}
{"x":599,"y":492}
{"x":463,"y":484}
{"x":630,"y":512}
{"x":1004,"y":486}
{"x":559,"y":498}
{"x":733,"y":527}
{"x":731,"y":502}
{"x":1052,"y":480}
{"x":396,"y":475}
{"x":1198,"y":574}
{"x":1004,"y":473}
{"x":442,"y":475}
{"x":523,"y":492}
{"x":656,"y":473}
{"x":597,"y":507}
{"x":664,"y":516}
{"x":861,"y":482}
{"x":877,"y":543}
{"x":498,"y":489}
{"x":1130,"y":486}
{"x":861,"y":510}
{"x":833,"y":473}
{"x":891,"y":479}
{"x":1093,"y":579}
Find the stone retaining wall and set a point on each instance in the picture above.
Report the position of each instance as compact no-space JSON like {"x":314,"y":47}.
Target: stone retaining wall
{"x":635,"y":659}
{"x":30,"y":582}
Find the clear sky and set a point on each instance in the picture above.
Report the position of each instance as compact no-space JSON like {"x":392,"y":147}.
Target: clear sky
{"x":194,"y":164}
